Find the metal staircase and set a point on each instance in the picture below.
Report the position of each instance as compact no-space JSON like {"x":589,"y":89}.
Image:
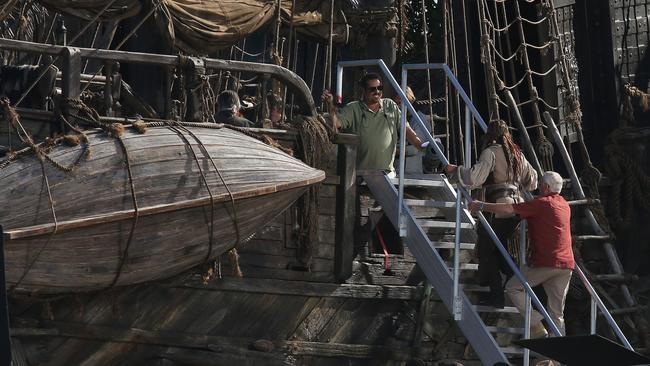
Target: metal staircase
{"x":425,"y":246}
{"x":424,"y":237}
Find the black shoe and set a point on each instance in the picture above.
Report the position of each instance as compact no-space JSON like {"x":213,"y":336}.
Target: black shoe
{"x":494,"y":301}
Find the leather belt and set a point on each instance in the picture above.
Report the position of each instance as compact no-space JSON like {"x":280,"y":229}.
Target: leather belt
{"x":496,"y":191}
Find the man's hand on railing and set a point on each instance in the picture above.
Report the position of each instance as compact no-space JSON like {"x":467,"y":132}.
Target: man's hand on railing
{"x":328,"y":99}
{"x":450,"y":168}
{"x":475,"y":206}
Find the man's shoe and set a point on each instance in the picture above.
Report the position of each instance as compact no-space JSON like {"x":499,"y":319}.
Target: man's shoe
{"x":498,"y":302}
{"x":537,"y":330}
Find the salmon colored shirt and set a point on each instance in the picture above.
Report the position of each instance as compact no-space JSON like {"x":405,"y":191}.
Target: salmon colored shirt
{"x":549,"y":231}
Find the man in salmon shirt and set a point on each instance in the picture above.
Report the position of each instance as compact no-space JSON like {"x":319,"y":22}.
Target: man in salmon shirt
{"x":551,"y":259}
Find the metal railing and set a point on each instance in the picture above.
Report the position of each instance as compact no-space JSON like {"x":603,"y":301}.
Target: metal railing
{"x":471,"y":114}
{"x":596,"y":302}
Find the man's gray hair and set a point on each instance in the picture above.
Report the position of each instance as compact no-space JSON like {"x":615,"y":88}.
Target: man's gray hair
{"x":553,"y":180}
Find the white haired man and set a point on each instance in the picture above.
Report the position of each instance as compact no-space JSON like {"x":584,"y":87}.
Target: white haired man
{"x":551,"y":259}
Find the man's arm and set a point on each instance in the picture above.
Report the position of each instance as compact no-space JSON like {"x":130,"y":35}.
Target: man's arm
{"x":498,"y":208}
{"x":413,"y":138}
{"x":328,"y":99}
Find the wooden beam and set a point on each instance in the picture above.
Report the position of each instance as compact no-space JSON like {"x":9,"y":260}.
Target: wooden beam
{"x":219,"y":356}
{"x":71,"y":79}
{"x":303,"y":288}
{"x":5,"y":341}
{"x":43,"y":229}
{"x":346,"y":196}
{"x":215,"y":343}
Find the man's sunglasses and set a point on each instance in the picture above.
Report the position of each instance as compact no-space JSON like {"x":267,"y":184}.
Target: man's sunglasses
{"x":375,"y":88}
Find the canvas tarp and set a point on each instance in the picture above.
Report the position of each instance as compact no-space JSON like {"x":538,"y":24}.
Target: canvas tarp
{"x":205,"y":26}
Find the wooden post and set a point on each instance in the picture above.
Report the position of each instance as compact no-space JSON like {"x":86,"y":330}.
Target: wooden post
{"x":5,"y":341}
{"x":108,"y":88}
{"x":194,"y":73}
{"x":70,"y":80}
{"x":168,"y":85}
{"x":71,"y":73}
{"x":346,"y":193}
{"x":264,"y":104}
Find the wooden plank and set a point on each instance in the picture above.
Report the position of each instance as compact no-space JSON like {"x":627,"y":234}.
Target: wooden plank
{"x":223,"y":355}
{"x":5,"y":340}
{"x":287,"y":274}
{"x":61,"y":226}
{"x":327,"y":206}
{"x":265,"y":246}
{"x":346,"y":195}
{"x":327,"y":222}
{"x":326,"y":236}
{"x":331,"y":180}
{"x":215,"y":343}
{"x":301,"y":288}
{"x":325,"y":250}
{"x":318,"y":319}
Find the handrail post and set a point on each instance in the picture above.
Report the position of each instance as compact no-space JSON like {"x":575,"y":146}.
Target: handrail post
{"x":603,"y":308}
{"x":504,"y":253}
{"x":458,"y":310}
{"x":339,"y":83}
{"x":528,"y":307}
{"x":593,"y":314}
{"x":590,"y":217}
{"x":401,"y":219}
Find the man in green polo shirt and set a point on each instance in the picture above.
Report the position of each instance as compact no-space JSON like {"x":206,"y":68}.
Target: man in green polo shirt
{"x":377,"y":122}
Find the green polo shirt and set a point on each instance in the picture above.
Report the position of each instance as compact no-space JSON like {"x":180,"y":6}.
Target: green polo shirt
{"x":377,"y":133}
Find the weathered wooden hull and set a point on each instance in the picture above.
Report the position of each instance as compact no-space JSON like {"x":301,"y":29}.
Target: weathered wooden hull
{"x":98,"y":227}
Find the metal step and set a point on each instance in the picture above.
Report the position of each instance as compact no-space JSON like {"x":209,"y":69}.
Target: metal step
{"x":429,"y":203}
{"x":474,"y":288}
{"x":435,"y":268}
{"x":412,"y":182}
{"x":492,"y":309}
{"x":505,"y":330}
{"x":451,"y":245}
{"x":511,"y":350}
{"x":443,"y":224}
{"x":464,"y":266}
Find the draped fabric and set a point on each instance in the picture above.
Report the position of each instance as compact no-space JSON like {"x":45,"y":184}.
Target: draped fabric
{"x":196,"y":26}
{"x":204,"y":26}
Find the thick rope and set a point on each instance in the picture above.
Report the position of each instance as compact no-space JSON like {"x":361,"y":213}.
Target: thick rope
{"x":125,"y":254}
{"x":206,"y":153}
{"x":49,"y":238}
{"x":174,"y":128}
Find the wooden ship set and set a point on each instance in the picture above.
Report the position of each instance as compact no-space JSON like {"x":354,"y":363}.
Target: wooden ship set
{"x":137,"y":231}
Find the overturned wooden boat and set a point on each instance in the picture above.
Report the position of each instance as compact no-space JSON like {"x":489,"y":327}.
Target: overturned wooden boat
{"x":139,"y":207}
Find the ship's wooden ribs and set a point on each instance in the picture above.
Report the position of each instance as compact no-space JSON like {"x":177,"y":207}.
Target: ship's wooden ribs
{"x":214,"y":343}
{"x":304,"y":288}
{"x":294,"y":83}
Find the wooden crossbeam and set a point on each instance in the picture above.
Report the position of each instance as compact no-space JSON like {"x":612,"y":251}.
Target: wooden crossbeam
{"x":304,"y":288}
{"x":217,"y":344}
